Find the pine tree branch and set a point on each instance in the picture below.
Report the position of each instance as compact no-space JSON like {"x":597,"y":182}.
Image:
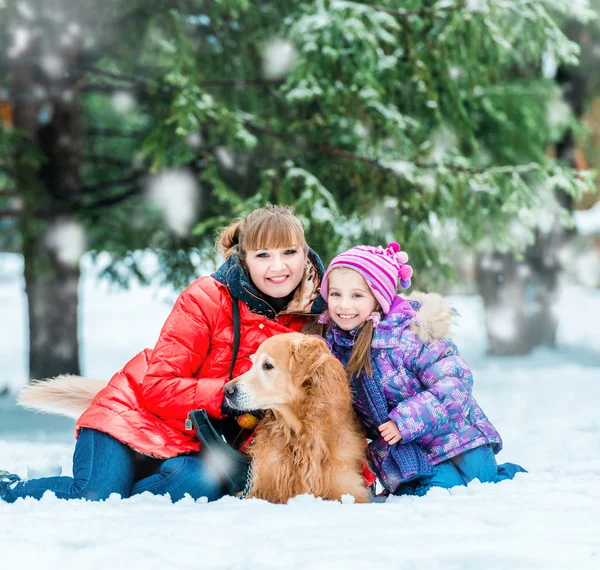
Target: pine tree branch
{"x":143,"y":82}
{"x":407,"y":13}
{"x":113,"y":200}
{"x":239,"y":82}
{"x":442,"y":10}
{"x":46,"y":214}
{"x":116,"y":76}
{"x":53,"y":212}
{"x":107,"y":88}
{"x":106,"y":184}
{"x":302,"y":142}
{"x":98,"y":158}
{"x":508,"y":169}
{"x":387,"y":165}
{"x":106,"y":132}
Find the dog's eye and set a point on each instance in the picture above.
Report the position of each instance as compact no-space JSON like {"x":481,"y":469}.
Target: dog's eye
{"x":267,"y":365}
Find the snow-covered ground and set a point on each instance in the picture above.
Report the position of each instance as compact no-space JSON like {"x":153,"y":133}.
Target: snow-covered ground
{"x":546,"y":406}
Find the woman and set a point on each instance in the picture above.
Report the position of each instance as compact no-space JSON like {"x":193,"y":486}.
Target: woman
{"x":133,"y":437}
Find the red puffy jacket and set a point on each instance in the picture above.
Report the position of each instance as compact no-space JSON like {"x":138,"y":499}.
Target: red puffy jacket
{"x":145,"y":404}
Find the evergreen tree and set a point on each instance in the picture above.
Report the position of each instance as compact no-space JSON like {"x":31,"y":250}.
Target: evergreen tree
{"x":425,"y":122}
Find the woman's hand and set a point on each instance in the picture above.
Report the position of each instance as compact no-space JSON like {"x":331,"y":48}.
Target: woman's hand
{"x":390,"y":432}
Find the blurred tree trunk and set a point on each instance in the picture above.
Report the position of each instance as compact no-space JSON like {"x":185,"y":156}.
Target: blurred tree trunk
{"x":520,"y":296}
{"x":47,"y":110}
{"x":51,"y":288}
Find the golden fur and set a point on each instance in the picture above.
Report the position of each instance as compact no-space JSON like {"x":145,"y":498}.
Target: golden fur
{"x":67,"y":395}
{"x":309,"y":441}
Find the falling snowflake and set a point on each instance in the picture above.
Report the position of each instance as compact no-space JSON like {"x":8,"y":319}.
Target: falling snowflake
{"x":176,"y":193}
{"x":455,"y":72}
{"x":52,"y":65}
{"x":122,"y":102}
{"x":25,"y":11}
{"x":225,"y":157}
{"x":194,"y":140}
{"x":67,"y":239}
{"x":502,"y":322}
{"x":278,"y":58}
{"x":21,"y":38}
{"x":549,"y":65}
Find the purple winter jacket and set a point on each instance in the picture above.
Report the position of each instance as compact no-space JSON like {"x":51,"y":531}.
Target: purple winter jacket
{"x":426,"y":382}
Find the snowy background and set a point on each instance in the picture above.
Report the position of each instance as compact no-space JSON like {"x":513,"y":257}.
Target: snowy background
{"x":546,"y":406}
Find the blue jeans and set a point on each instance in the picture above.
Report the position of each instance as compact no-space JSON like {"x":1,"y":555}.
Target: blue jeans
{"x":103,"y":466}
{"x":479,"y":463}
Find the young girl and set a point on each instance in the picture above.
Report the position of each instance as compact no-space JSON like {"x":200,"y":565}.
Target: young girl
{"x":132,"y":438}
{"x":410,"y":385}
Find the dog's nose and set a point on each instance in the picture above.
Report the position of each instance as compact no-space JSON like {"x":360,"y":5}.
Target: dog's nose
{"x":229,"y":388}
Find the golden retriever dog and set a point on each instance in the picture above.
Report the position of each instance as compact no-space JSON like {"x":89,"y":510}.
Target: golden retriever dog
{"x":309,"y":441}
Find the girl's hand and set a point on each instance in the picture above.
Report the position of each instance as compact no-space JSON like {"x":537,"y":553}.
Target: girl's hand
{"x":390,"y":432}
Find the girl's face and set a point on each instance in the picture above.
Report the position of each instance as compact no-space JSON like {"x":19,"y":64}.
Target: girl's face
{"x":276,"y":272}
{"x":349,"y":299}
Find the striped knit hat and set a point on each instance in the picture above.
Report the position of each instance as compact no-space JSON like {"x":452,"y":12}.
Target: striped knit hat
{"x":379,"y":267}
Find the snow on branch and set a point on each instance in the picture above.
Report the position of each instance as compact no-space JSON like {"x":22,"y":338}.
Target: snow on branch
{"x":143,"y":83}
{"x":440,"y":8}
{"x":392,"y":166}
{"x":579,"y":9}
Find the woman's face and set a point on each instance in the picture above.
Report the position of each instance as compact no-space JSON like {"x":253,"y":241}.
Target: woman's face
{"x":276,"y":272}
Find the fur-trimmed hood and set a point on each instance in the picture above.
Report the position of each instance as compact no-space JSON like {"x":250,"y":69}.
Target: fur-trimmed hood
{"x":428,"y":315}
{"x":433,"y":316}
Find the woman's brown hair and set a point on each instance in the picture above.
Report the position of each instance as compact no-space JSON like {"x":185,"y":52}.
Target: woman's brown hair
{"x":271,"y":227}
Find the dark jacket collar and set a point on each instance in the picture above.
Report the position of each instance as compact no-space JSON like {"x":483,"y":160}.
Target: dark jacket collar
{"x":232,"y":274}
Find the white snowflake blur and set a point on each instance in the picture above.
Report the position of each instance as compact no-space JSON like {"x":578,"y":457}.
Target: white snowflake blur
{"x":225,"y":157}
{"x":122,"y":102}
{"x":21,"y":38}
{"x":67,"y":238}
{"x":25,"y":11}
{"x":549,"y":65}
{"x":278,"y":58}
{"x":177,"y":194}
{"x":52,"y":64}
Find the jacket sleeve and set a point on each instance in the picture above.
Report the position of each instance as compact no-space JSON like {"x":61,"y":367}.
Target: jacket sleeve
{"x":169,"y":387}
{"x":447,"y":382}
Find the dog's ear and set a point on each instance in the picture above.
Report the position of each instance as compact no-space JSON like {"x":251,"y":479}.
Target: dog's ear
{"x":307,"y":356}
{"x":320,"y":375}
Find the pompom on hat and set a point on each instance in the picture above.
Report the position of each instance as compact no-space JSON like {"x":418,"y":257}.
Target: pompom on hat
{"x":380,"y":268}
